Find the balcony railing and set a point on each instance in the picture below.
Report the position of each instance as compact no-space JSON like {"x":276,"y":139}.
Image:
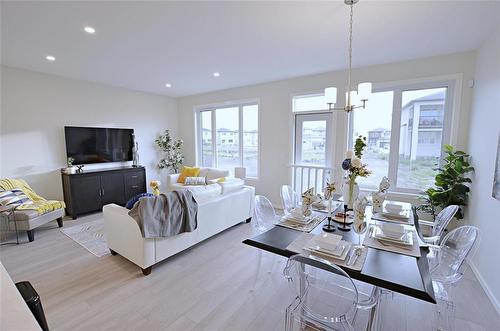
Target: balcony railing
{"x":307,"y":176}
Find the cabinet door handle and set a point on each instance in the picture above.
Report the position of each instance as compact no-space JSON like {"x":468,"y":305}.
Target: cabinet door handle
{"x":134,"y":176}
{"x":102,"y":191}
{"x":135,"y":186}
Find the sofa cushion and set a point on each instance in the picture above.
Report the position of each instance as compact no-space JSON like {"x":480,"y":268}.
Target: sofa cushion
{"x":25,"y":214}
{"x":213,"y":173}
{"x":231,"y":185}
{"x":201,"y":192}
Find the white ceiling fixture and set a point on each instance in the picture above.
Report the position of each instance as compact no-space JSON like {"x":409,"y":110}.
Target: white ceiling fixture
{"x":89,"y":29}
{"x":168,"y":85}
{"x":50,"y":58}
{"x":354,"y":99}
{"x":216,"y":74}
{"x":147,"y":42}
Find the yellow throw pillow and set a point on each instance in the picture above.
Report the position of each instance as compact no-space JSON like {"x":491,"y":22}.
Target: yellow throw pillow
{"x":188,"y":172}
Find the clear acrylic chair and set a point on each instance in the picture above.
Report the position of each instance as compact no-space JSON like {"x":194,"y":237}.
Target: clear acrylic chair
{"x":439,"y":225}
{"x":326,"y":298}
{"x":265,"y":215}
{"x":446,"y":265}
{"x":264,"y":219}
{"x":289,"y":198}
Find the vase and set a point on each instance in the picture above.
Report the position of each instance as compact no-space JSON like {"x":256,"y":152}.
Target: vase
{"x":378,"y":199}
{"x":350,"y":191}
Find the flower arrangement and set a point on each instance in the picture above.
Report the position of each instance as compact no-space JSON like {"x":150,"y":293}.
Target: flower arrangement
{"x":378,"y":197}
{"x":172,"y":150}
{"x":155,"y":185}
{"x":308,"y":199}
{"x":353,"y":165}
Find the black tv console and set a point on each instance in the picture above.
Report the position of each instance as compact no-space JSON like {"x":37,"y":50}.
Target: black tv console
{"x":90,"y":190}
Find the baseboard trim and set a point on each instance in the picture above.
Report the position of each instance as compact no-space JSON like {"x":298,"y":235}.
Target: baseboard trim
{"x":485,"y":287}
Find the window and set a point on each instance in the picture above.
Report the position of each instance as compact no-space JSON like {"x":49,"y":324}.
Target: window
{"x":375,"y":124}
{"x":420,"y":143}
{"x":312,"y":139}
{"x":228,"y":137}
{"x":405,"y":129}
{"x":309,"y":102}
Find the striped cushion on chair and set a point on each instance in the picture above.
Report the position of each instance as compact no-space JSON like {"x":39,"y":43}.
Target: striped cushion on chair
{"x":13,"y":197}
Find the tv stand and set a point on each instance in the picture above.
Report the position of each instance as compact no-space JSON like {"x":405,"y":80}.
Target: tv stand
{"x":88,"y":191}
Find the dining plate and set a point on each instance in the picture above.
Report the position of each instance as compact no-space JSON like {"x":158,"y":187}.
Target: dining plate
{"x":406,"y":239}
{"x":341,"y":254}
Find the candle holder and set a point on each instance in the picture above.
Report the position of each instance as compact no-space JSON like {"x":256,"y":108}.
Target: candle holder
{"x":344,"y":226}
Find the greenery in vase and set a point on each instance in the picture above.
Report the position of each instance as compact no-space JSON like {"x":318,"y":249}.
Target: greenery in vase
{"x":450,"y":183}
{"x":172,"y":152}
{"x":70,"y":161}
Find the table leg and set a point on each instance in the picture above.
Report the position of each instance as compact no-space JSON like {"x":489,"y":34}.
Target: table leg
{"x":15,"y":227}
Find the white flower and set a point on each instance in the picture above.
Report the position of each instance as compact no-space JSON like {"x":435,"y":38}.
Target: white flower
{"x":356,"y":162}
{"x":348,"y":154}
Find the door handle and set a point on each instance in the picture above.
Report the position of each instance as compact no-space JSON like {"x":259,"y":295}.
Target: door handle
{"x":134,"y":176}
{"x":102,"y":191}
{"x":135,"y":186}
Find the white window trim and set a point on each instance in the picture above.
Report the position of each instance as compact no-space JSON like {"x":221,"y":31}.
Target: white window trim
{"x":197,"y":110}
{"x":453,"y":83}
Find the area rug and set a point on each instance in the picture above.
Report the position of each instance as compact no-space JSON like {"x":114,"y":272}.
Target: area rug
{"x":90,"y":236}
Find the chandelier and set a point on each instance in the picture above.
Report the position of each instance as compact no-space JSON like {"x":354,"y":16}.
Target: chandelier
{"x":354,"y":99}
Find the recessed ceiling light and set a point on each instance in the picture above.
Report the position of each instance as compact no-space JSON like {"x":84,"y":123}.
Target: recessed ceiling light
{"x":216,"y":74}
{"x":89,"y":29}
{"x":50,"y":58}
{"x":168,"y":85}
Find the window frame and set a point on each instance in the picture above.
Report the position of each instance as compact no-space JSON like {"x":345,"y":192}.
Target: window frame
{"x":451,"y":104}
{"x":198,"y":110}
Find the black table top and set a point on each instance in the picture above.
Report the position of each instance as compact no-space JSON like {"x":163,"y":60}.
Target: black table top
{"x":399,"y":273}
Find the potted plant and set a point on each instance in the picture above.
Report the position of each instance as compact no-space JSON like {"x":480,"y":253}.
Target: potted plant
{"x":451,"y":184}
{"x":172,"y":151}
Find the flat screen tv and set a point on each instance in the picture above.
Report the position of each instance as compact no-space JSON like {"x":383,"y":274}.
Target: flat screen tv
{"x":96,"y":145}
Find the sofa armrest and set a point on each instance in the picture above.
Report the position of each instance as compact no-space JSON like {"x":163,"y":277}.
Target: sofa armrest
{"x":172,"y":179}
{"x":124,"y":236}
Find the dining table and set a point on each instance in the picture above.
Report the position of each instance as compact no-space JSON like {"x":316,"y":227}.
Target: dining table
{"x":400,"y":273}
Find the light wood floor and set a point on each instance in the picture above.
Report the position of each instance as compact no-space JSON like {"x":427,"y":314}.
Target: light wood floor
{"x":209,"y":287}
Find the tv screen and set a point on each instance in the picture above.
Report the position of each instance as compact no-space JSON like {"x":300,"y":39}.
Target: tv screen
{"x":95,"y":145}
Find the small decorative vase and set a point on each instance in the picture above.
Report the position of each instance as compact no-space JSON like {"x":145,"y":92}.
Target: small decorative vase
{"x":350,"y":192}
{"x":306,"y":210}
{"x":378,"y":199}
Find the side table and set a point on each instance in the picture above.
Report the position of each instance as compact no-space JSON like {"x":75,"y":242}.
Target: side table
{"x":8,"y":211}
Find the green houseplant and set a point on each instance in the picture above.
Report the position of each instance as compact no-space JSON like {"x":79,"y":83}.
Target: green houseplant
{"x":172,"y":152}
{"x":451,"y":183}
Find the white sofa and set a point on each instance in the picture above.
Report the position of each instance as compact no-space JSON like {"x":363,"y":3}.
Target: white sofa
{"x":214,"y":215}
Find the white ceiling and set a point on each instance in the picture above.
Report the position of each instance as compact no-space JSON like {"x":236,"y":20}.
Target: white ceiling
{"x":143,"y":45}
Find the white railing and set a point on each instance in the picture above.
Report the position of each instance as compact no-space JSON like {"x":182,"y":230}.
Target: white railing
{"x":307,"y":176}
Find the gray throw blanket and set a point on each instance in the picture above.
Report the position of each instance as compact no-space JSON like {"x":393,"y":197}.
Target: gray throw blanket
{"x":167,"y":214}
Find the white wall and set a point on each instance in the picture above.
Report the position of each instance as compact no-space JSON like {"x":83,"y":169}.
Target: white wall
{"x":484,"y":210}
{"x":35,"y":107}
{"x":275,"y":107}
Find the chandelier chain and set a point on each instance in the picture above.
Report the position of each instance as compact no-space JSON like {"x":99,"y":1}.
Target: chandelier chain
{"x":350,"y":58}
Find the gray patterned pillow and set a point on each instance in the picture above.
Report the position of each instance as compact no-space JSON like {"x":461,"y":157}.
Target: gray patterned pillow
{"x":14,"y":197}
{"x":195,"y":181}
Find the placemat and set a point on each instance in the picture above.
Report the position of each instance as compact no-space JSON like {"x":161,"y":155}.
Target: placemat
{"x":298,"y":244}
{"x":399,"y":249}
{"x":302,"y":227}
{"x":381,"y":217}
